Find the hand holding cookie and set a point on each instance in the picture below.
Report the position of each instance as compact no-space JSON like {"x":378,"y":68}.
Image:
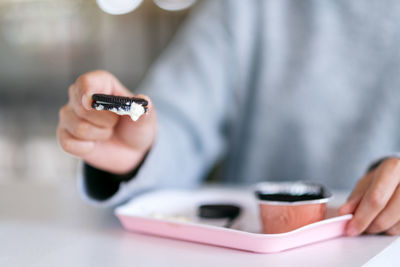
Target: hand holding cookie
{"x":87,"y":129}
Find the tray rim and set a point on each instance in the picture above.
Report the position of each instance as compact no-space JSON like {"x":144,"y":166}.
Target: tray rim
{"x":257,"y":235}
{"x":119,"y":212}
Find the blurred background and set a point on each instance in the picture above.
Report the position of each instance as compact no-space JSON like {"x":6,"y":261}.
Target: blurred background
{"x":44,"y":46}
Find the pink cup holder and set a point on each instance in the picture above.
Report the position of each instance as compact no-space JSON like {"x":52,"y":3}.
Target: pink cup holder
{"x":286,"y":206}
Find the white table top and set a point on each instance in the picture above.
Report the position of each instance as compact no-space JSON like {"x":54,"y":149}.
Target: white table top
{"x":48,"y":225}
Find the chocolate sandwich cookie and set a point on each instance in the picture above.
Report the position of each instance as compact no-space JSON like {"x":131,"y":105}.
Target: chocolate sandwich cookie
{"x":122,"y":105}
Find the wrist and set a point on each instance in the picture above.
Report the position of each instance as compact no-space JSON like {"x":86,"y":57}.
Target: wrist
{"x":118,"y":177}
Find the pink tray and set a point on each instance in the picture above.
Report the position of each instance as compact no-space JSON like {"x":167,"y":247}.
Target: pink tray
{"x":172,"y":214}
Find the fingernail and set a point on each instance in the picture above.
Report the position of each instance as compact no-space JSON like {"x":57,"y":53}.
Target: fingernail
{"x":352,"y":231}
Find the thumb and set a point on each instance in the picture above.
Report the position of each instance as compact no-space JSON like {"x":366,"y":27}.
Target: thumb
{"x":141,"y":133}
{"x":350,"y":206}
{"x":357,"y":194}
{"x":98,"y":82}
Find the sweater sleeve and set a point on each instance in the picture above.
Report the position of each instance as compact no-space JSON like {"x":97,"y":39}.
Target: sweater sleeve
{"x":190,"y":86}
{"x":375,"y":163}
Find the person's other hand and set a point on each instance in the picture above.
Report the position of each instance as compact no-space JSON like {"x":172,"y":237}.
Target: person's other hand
{"x":375,"y":201}
{"x":101,"y":138}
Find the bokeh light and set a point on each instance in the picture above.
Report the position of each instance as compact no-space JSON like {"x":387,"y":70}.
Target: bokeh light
{"x":174,"y":5}
{"x":118,"y":7}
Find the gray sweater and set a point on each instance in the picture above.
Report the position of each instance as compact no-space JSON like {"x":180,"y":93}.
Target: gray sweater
{"x":272,"y":90}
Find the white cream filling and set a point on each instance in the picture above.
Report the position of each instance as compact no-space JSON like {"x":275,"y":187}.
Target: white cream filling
{"x":135,"y":112}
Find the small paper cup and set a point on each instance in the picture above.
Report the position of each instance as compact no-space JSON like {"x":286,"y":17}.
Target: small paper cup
{"x":286,"y":206}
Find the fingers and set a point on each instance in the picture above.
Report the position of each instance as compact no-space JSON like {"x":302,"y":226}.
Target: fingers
{"x":100,"y":118}
{"x":394,"y":230}
{"x":141,"y":134}
{"x":389,"y":217}
{"x":97,"y":82}
{"x":357,"y":194}
{"x":72,"y":145}
{"x":376,"y":197}
{"x":81,"y":91}
{"x":82,"y":129}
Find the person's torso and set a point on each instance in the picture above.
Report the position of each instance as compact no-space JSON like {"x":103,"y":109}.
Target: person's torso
{"x":323,"y":98}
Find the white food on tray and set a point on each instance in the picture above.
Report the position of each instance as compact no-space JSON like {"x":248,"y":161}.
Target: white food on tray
{"x":182,"y":206}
